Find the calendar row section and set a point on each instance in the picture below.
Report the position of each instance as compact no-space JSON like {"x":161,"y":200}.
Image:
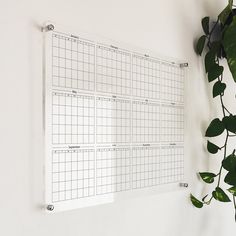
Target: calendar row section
{"x":86,"y":119}
{"x":77,"y":64}
{"x":82,"y":173}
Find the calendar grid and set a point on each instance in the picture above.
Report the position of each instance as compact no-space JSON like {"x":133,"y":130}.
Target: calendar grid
{"x":117,"y":120}
{"x":171,"y":164}
{"x":146,"y":77}
{"x":72,"y":174}
{"x":113,"y":120}
{"x":73,"y":63}
{"x":145,"y":118}
{"x":172,"y":123}
{"x":72,"y":119}
{"x":113,"y":71}
{"x":172,"y":83}
{"x":113,"y":170}
{"x":146,"y":167}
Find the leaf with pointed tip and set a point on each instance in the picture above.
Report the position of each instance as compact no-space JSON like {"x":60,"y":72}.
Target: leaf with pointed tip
{"x":232,"y":190}
{"x":205,"y":25}
{"x":200,"y":44}
{"x":214,"y":72}
{"x":207,"y":177}
{"x":218,"y":88}
{"x":229,"y":43}
{"x":229,"y":163}
{"x":196,"y":202}
{"x":210,"y":60}
{"x":226,"y":12}
{"x":212,"y":148}
{"x":230,"y":123}
{"x":215,"y":128}
{"x":220,"y":195}
{"x":230,"y":178}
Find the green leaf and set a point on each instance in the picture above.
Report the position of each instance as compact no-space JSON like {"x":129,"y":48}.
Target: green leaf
{"x":207,"y":177}
{"x":218,"y":88}
{"x":232,"y":190}
{"x":205,"y":25}
{"x":212,"y":148}
{"x":229,"y":43}
{"x":220,"y":195}
{"x":230,"y":178}
{"x":229,"y":163}
{"x":215,"y":128}
{"x":209,"y":60}
{"x":201,"y":44}
{"x":230,"y":123}
{"x":196,"y":202}
{"x":214,"y":72}
{"x":226,"y":12}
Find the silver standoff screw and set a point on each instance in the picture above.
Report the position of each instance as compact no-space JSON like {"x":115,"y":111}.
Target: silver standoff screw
{"x":183,"y":65}
{"x":50,"y":27}
{"x":185,"y":185}
{"x":50,"y":207}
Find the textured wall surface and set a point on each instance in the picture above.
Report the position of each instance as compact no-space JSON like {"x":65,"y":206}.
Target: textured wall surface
{"x":166,"y":27}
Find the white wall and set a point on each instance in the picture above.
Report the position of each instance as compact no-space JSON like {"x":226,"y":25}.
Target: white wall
{"x":167,"y":27}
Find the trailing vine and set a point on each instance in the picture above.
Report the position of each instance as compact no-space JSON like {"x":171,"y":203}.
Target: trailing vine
{"x":219,"y":42}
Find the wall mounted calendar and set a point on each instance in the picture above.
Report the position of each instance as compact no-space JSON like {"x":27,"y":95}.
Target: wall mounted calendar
{"x":114,"y":121}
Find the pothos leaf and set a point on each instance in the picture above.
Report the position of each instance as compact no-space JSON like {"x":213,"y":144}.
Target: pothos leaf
{"x":205,"y":25}
{"x":220,"y":195}
{"x":200,"y":44}
{"x":232,"y":190}
{"x":212,"y":148}
{"x":230,"y":123}
{"x":229,"y":43}
{"x":196,"y":202}
{"x":210,"y":60}
{"x":218,"y":88}
{"x":229,"y":163}
{"x":226,"y":12}
{"x":214,"y":72}
{"x":230,"y":178}
{"x":207,"y":177}
{"x":215,"y":128}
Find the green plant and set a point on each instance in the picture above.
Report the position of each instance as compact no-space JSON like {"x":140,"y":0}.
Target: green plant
{"x":219,"y":41}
